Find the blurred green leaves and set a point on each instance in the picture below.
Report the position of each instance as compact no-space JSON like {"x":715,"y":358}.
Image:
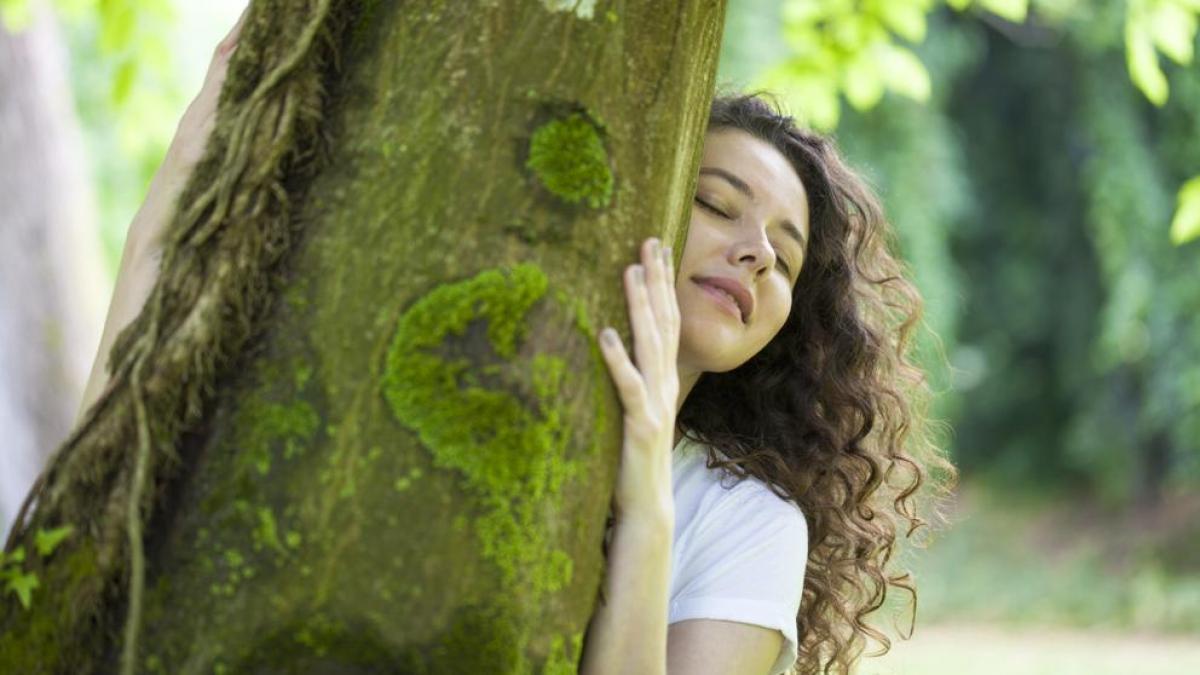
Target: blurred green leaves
{"x":860,"y":50}
{"x":1152,"y":26}
{"x":1185,"y":226}
{"x":854,"y":48}
{"x":843,"y":47}
{"x":124,"y":76}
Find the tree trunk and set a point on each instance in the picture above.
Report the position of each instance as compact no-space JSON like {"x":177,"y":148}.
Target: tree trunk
{"x":407,"y":465}
{"x":52,"y":285}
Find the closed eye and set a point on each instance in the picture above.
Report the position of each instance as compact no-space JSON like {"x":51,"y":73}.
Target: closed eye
{"x":710,"y":207}
{"x":778,"y":258}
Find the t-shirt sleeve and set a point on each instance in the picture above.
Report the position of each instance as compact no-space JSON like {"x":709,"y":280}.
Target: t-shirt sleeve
{"x":746,"y":564}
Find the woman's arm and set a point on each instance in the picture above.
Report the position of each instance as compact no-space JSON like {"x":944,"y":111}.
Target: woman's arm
{"x":143,"y":243}
{"x":628,"y":633}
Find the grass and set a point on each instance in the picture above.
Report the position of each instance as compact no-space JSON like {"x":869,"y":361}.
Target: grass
{"x":1064,"y":564}
{"x":1038,"y":585}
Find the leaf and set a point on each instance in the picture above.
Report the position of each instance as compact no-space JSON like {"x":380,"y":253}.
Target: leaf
{"x":22,"y":584}
{"x":47,"y":540}
{"x":904,"y":73}
{"x":906,"y":19}
{"x":1012,"y":10}
{"x":1142,"y":61}
{"x":1185,"y":226}
{"x":808,"y":94}
{"x":1173,"y":29}
{"x":17,"y":555}
{"x":862,"y":82}
{"x":123,"y":81}
{"x":117,"y":23}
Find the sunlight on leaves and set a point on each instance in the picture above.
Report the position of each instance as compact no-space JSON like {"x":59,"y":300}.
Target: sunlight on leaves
{"x":1186,"y":225}
{"x":1152,"y":26}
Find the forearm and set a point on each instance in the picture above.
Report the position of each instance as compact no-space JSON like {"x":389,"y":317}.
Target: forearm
{"x":628,"y":633}
{"x":135,"y":278}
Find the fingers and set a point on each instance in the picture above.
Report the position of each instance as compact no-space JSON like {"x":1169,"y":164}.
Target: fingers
{"x":646,"y":342}
{"x":627,"y":378}
{"x":661,"y":289}
{"x":226,"y":46}
{"x":654,"y":318}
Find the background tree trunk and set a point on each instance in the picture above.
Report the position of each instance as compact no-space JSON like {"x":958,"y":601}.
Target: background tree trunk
{"x":52,"y":284}
{"x":409,"y":466}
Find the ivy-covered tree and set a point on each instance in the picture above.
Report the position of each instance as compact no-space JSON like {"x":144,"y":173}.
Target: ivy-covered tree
{"x":361,"y":420}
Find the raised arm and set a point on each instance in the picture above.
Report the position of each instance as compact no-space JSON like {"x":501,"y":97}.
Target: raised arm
{"x":143,"y":242}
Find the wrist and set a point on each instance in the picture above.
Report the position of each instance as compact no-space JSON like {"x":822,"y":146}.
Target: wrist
{"x":650,"y":519}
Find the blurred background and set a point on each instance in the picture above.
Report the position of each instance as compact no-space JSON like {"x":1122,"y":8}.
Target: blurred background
{"x":1037,"y":158}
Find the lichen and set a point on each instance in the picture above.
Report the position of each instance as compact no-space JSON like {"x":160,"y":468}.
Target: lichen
{"x":568,"y":158}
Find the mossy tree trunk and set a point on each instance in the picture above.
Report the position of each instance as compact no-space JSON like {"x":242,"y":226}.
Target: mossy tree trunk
{"x":407,"y":464}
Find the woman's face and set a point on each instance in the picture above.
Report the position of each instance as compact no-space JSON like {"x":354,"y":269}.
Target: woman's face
{"x":749,"y":228}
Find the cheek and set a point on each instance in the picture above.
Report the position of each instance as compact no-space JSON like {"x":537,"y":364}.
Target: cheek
{"x":780,"y":308}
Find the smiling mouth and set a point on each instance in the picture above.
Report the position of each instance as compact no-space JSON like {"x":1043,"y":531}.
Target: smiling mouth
{"x":724,"y":299}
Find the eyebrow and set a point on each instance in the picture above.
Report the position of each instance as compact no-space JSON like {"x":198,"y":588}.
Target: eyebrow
{"x":741,"y":186}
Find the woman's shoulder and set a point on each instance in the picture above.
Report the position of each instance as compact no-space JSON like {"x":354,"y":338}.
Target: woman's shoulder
{"x":720,"y":496}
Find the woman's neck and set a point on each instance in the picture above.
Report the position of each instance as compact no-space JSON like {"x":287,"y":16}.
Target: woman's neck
{"x":687,"y":381}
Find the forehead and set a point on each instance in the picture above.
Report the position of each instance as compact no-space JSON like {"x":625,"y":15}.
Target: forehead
{"x":762,"y":167}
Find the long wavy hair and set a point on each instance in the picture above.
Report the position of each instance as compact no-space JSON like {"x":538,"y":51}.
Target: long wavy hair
{"x":832,"y":413}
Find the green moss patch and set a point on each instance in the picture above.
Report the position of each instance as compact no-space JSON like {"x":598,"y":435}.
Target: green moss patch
{"x":568,"y":158}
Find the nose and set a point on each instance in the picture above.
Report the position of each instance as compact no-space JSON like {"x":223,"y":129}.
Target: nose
{"x":754,"y":251}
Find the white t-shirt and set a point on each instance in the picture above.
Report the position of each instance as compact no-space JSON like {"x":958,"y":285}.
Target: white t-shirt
{"x":739,"y":550}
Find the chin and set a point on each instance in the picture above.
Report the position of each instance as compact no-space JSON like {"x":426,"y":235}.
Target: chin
{"x":709,"y":352}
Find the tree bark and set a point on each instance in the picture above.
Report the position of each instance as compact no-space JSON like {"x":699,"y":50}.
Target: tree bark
{"x":408,"y":466}
{"x":52,"y":284}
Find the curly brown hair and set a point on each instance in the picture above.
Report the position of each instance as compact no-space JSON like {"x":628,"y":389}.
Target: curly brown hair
{"x":831,"y":414}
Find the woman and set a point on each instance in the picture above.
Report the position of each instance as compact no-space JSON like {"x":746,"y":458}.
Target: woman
{"x":775,"y":357}
{"x":780,"y":348}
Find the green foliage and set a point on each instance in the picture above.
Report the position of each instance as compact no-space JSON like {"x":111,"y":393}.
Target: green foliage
{"x":1152,"y":26}
{"x":1186,"y":224}
{"x":17,"y":581}
{"x":47,"y":540}
{"x":852,"y":48}
{"x":1027,"y":192}
{"x":848,"y":48}
{"x":14,"y":578}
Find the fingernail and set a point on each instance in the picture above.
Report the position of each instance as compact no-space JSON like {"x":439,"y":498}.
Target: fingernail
{"x":654,"y":247}
{"x":667,"y":255}
{"x":609,"y":336}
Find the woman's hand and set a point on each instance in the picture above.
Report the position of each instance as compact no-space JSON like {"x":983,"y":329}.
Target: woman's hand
{"x":186,"y":149}
{"x":649,"y":390}
{"x":144,"y":240}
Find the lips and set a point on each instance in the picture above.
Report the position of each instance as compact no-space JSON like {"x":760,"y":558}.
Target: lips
{"x":738,"y":292}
